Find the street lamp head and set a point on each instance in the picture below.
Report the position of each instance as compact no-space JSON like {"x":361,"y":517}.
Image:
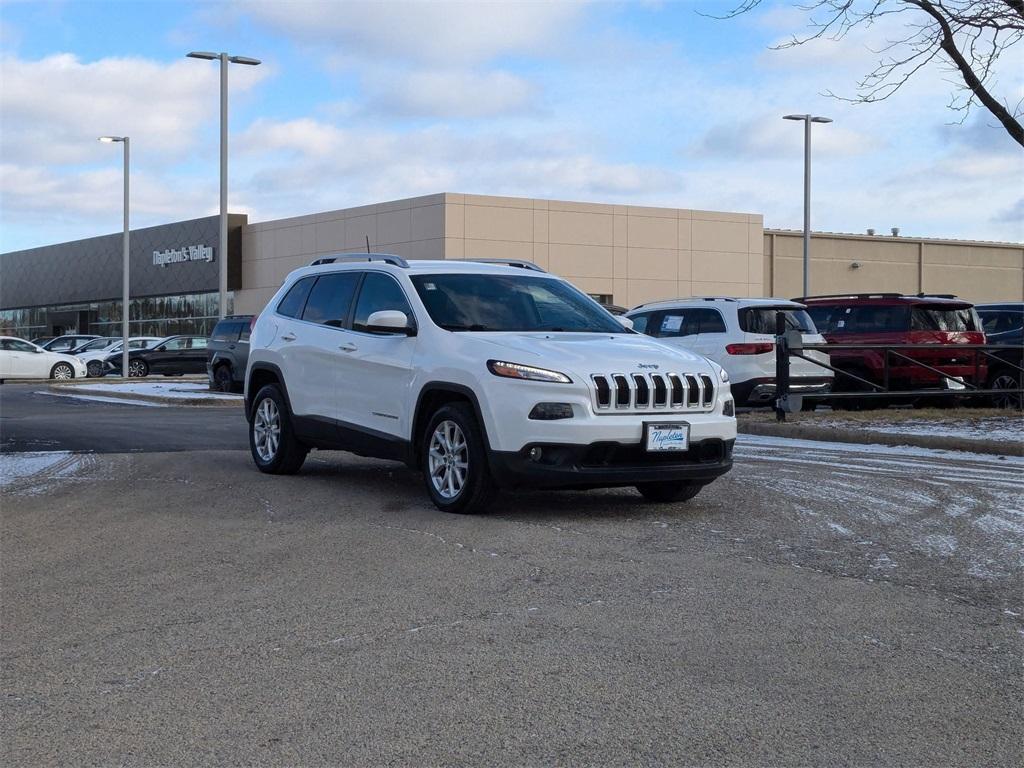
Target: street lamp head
{"x":821,"y":119}
{"x":202,"y":55}
{"x":244,"y":60}
{"x":109,"y":139}
{"x":795,"y":117}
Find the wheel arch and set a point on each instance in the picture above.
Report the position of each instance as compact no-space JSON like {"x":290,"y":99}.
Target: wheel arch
{"x":432,"y":396}
{"x":259,"y":375}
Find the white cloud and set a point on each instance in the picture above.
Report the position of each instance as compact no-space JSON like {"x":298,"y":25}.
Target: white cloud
{"x":297,"y":166}
{"x":451,"y":93}
{"x":53,"y":109}
{"x":434,"y":31}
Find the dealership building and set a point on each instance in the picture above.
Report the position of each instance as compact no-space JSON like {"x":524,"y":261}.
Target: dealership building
{"x":619,"y":254}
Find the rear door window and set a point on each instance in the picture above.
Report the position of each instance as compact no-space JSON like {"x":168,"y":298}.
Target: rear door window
{"x":675,"y":323}
{"x":226,"y":330}
{"x":942,"y":319}
{"x":330,"y":299}
{"x":293,"y":302}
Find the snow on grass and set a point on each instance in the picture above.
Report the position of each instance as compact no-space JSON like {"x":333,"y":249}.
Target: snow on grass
{"x":1009,"y":429}
{"x":100,"y":399}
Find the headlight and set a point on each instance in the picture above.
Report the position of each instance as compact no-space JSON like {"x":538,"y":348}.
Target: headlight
{"x":528,"y":372}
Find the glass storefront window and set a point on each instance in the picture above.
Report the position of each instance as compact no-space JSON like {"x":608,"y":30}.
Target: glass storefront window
{"x":194,"y":313}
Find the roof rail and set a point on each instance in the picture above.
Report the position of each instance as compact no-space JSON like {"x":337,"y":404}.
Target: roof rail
{"x":387,"y":258}
{"x":521,"y":263}
{"x":936,"y":296}
{"x":686,"y":298}
{"x":851,"y":296}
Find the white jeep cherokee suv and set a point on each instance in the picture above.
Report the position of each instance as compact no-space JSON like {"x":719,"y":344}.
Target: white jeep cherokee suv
{"x":483,"y":375}
{"x":739,"y":335}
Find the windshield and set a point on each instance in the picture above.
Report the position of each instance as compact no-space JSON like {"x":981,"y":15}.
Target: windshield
{"x":97,"y":344}
{"x":762,"y":320}
{"x":943,"y":319}
{"x":476,"y":302}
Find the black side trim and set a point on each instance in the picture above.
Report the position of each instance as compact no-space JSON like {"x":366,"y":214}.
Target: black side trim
{"x":331,"y":434}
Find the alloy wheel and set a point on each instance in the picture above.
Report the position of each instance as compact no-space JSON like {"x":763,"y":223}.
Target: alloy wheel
{"x":136,"y":368}
{"x":266,"y":427}
{"x":1005,"y":399}
{"x":448,"y":459}
{"x":95,"y":369}
{"x":63,"y":372}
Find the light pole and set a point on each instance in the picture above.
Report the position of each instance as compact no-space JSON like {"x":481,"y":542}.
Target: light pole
{"x":222,"y":247}
{"x":808,"y":119}
{"x":125,"y":272}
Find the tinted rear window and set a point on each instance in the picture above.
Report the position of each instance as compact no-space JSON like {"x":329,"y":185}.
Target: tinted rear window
{"x":762,"y":320}
{"x":943,"y":319}
{"x":861,"y":319}
{"x":293,"y":302}
{"x":226,"y":330}
{"x":331,"y":298}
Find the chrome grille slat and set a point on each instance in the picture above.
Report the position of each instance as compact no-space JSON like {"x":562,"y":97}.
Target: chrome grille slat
{"x":648,"y":392}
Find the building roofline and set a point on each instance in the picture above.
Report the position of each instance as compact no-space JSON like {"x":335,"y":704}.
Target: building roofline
{"x":896,"y":238}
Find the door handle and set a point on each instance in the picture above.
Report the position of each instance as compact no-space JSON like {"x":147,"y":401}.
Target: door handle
{"x":288,"y":336}
{"x":348,"y":346}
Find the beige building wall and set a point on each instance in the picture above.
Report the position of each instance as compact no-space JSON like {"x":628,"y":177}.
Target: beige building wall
{"x":634,"y":254}
{"x":977,"y":271}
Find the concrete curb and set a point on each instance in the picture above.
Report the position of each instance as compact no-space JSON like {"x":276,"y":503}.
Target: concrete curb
{"x":868,"y":437}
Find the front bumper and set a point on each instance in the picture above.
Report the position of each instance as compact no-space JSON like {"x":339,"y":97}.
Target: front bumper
{"x":608,"y":464}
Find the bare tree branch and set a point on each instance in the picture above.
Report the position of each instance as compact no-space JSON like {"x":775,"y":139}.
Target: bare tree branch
{"x":965,"y":37}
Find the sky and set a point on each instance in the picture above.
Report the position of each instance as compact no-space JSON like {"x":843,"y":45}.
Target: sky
{"x":647,"y":103}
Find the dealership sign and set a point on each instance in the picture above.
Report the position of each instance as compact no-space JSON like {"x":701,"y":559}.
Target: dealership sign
{"x":183,"y":254}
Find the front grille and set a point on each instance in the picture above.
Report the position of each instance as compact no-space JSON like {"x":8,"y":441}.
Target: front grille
{"x":652,"y":392}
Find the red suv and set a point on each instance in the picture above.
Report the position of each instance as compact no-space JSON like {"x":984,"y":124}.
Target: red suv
{"x":891,"y":318}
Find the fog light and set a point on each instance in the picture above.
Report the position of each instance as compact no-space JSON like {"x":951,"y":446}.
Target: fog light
{"x":551,"y":411}
{"x":729,"y":409}
{"x":536,"y":453}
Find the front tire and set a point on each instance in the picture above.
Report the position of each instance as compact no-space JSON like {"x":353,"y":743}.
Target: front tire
{"x":667,"y":491}
{"x":455,"y":467}
{"x":62,"y":372}
{"x":272,"y":441}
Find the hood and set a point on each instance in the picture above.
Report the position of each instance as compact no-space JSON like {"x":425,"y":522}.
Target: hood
{"x":587,"y":353}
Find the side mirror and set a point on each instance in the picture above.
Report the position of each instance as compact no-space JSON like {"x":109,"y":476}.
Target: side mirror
{"x":626,"y":322}
{"x":389,"y":321}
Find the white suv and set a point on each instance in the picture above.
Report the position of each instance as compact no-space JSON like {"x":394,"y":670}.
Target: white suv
{"x":483,"y":375}
{"x":739,"y":335}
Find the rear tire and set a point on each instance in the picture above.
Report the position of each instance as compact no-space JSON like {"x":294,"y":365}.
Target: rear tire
{"x":138,"y":369}
{"x":94,"y":369}
{"x":666,"y":491}
{"x":272,"y":441}
{"x":1005,"y":378}
{"x":223,"y":381}
{"x":455,"y":468}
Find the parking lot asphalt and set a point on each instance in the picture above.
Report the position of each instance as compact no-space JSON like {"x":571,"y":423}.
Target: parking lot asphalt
{"x":35,"y":417}
{"x":822,"y":604}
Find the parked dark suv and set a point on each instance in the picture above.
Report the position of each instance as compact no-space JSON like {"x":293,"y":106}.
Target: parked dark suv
{"x":1004,"y":325}
{"x":227,"y":353}
{"x":892,"y":318}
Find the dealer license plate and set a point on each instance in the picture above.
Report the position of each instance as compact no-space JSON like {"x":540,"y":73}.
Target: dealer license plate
{"x":667,"y":437}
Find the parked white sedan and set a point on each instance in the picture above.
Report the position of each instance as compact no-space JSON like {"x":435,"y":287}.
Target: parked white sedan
{"x":20,"y":359}
{"x":93,"y":358}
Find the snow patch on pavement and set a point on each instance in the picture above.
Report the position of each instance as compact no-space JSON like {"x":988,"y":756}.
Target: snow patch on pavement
{"x":31,"y":473}
{"x":1009,"y":429}
{"x":101,"y":399}
{"x":182,"y":390}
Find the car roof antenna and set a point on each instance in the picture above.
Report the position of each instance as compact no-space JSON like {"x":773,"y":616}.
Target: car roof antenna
{"x":367,"y":243}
